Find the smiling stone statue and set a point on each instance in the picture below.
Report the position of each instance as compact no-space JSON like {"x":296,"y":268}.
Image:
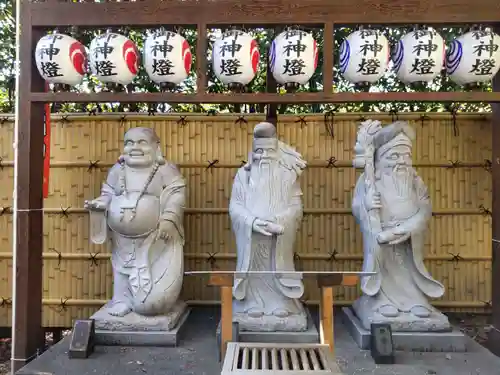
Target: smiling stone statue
{"x":141,"y":211}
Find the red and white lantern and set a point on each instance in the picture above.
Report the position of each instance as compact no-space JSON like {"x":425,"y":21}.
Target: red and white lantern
{"x":473,"y":57}
{"x":167,"y":58}
{"x":364,"y":56}
{"x":293,"y":57}
{"x":235,"y":58}
{"x":61,"y":59}
{"x":419,"y":56}
{"x":113,"y":58}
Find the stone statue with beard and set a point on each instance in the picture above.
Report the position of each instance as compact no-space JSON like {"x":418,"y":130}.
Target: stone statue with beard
{"x":266,"y":211}
{"x":392,"y":206}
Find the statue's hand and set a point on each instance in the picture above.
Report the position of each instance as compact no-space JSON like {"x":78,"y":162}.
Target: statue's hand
{"x":261,"y":226}
{"x":165,"y":230}
{"x":393,"y":236}
{"x":275,"y":228}
{"x":98,"y":204}
{"x":373,"y":201}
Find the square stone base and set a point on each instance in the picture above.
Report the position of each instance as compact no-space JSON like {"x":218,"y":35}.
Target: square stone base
{"x":136,"y":330}
{"x":309,"y":336}
{"x":452,"y":341}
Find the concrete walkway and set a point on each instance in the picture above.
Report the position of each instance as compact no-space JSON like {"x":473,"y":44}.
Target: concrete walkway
{"x":197,"y":355}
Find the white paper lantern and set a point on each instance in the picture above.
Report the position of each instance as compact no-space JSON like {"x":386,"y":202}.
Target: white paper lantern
{"x":113,"y":58}
{"x":167,"y":58}
{"x":61,"y":59}
{"x":293,"y":57}
{"x":235,"y":58}
{"x":364,"y":56}
{"x":473,"y":57}
{"x":419,"y":56}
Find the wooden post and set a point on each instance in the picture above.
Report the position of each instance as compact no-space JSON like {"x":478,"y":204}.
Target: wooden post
{"x":494,"y":335}
{"x":328,"y":41}
{"x":326,"y":307}
{"x":28,"y":335}
{"x":326,"y":318}
{"x":226,"y":295}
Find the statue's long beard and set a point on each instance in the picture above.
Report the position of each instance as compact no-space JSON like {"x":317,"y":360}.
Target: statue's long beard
{"x":400,"y":181}
{"x":264,"y":179}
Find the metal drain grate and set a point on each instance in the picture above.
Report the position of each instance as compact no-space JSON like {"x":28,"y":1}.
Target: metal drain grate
{"x":253,"y":358}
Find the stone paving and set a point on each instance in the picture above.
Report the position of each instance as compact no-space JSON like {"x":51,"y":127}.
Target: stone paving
{"x":197,"y":355}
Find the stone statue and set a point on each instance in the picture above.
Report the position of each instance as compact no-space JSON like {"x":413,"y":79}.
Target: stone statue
{"x":392,"y":206}
{"x":141,"y":211}
{"x":266,"y":211}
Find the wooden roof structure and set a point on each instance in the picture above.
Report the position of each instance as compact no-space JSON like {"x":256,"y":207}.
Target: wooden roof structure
{"x":39,"y":16}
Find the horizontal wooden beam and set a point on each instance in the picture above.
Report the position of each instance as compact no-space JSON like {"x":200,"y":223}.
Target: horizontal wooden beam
{"x":262,"y":12}
{"x":267,"y":98}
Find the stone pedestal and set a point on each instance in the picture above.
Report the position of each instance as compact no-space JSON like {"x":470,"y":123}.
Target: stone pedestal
{"x":309,"y":336}
{"x":137,"y":330}
{"x":447,"y":341}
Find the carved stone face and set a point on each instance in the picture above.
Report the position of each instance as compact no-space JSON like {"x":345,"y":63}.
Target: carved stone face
{"x":398,"y":158}
{"x":265,"y":152}
{"x":139,"y":148}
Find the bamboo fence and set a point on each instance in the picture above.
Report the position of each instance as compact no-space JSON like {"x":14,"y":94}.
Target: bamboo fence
{"x":451,"y":153}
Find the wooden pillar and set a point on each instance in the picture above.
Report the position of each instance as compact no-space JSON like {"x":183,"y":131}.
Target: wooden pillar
{"x":28,"y":335}
{"x":494,"y":335}
{"x":271,"y":87}
{"x":225,"y":282}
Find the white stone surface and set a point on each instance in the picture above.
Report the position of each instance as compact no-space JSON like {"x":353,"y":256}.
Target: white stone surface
{"x":140,"y":211}
{"x":266,"y":211}
{"x":135,"y":322}
{"x":392,"y":206}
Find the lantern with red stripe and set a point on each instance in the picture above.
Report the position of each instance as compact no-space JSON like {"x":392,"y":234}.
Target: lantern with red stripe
{"x":61,"y":59}
{"x":235,"y":59}
{"x":113,"y":58}
{"x":167,"y":58}
{"x":293,"y":58}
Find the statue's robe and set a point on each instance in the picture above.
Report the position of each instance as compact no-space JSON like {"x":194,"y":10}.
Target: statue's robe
{"x":402,"y":279}
{"x":147,"y":270}
{"x":280,"y":200}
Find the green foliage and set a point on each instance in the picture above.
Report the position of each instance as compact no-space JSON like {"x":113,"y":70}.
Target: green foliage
{"x":264,"y":37}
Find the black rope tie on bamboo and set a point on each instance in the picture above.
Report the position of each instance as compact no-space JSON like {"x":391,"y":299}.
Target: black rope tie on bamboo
{"x":59,"y":256}
{"x":5,"y":301}
{"x":484,"y":211}
{"x":5,"y":210}
{"x":332,"y":256}
{"x":488,"y":165}
{"x":301,"y":120}
{"x":423,"y":119}
{"x":487,"y":304}
{"x":329,"y":120}
{"x":332,"y":162}
{"x":455,"y":257}
{"x":454,"y":164}
{"x":63,"y":304}
{"x":64,"y":120}
{"x":182,"y":121}
{"x":123,"y":120}
{"x":212,"y":164}
{"x":453,"y":109}
{"x":93,"y":259}
{"x":1,"y":164}
{"x":64,"y":211}
{"x":394,"y":115}
{"x":3,"y":120}
{"x":241,"y":120}
{"x":211,"y":259}
{"x":93,"y":164}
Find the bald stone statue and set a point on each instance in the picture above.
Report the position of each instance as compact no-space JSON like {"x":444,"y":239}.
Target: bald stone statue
{"x":266,"y":212}
{"x":141,"y":211}
{"x":393,"y":208}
